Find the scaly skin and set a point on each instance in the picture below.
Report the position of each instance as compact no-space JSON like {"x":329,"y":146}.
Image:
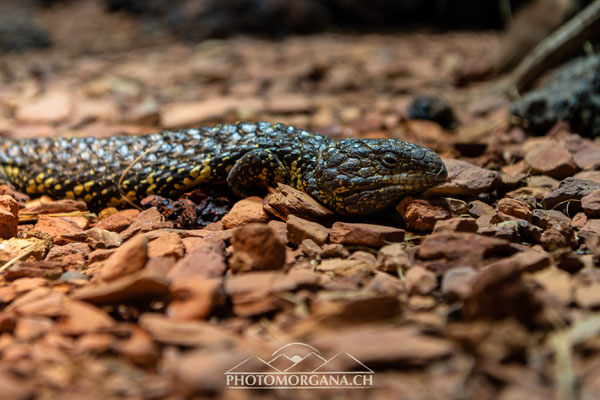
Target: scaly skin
{"x":350,"y":176}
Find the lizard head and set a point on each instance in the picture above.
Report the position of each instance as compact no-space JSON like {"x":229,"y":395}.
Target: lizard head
{"x":366,"y":176}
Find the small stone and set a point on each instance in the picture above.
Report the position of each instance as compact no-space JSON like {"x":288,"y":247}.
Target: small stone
{"x":166,"y":245}
{"x":364,"y":234}
{"x":31,"y":328}
{"x":456,"y":224}
{"x":334,"y":250}
{"x":465,"y":179}
{"x":588,"y":296}
{"x":309,"y":248}
{"x":444,"y":251}
{"x":280,"y":229}
{"x":569,"y":189}
{"x":550,"y":218}
{"x":207,"y":260}
{"x":99,"y":238}
{"x":127,"y":259}
{"x":55,"y":207}
{"x":393,"y":257}
{"x":79,"y":318}
{"x":146,"y":221}
{"x":552,"y":161}
{"x":9,"y":217}
{"x":478,"y":208}
{"x":421,"y":215}
{"x":591,"y":204}
{"x":245,"y":211}
{"x":515,"y":208}
{"x":56,"y":227}
{"x":299,"y":229}
{"x":70,"y":276}
{"x":118,"y":222}
{"x":553,"y":239}
{"x":141,"y":287}
{"x":419,"y":280}
{"x":51,"y":107}
{"x":256,"y":248}
{"x":284,"y":200}
{"x":457,"y":282}
{"x":194,"y":298}
{"x":72,"y":253}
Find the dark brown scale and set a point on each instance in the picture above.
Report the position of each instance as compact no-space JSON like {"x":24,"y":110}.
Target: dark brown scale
{"x":247,"y":156}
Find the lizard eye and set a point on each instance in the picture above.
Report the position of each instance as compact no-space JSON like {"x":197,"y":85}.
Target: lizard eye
{"x":389,"y":160}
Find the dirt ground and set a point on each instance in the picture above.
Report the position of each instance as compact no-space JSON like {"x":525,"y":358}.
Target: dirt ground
{"x":483,"y":288}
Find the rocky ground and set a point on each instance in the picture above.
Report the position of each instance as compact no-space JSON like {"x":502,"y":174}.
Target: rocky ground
{"x":485,"y":287}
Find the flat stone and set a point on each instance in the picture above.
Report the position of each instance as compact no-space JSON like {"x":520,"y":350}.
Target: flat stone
{"x":245,"y":211}
{"x":207,"y":260}
{"x":55,"y":227}
{"x":364,"y":234}
{"x":146,"y":221}
{"x":284,"y":200}
{"x":466,"y":179}
{"x":552,"y":161}
{"x":515,"y":208}
{"x":127,"y":259}
{"x":420,"y":281}
{"x":299,"y":229}
{"x":119,"y":221}
{"x":456,"y":224}
{"x":51,"y":107}
{"x":256,"y":248}
{"x":569,"y":189}
{"x":591,"y":204}
{"x":9,"y":217}
{"x":421,"y":215}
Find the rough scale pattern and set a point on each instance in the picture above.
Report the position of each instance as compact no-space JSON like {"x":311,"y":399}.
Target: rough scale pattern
{"x":350,"y":176}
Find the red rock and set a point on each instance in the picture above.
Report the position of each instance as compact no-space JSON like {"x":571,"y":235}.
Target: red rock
{"x":186,"y":114}
{"x":94,"y":343}
{"x":79,"y":318}
{"x":591,"y":204}
{"x":148,"y":220}
{"x":592,"y":226}
{"x":553,"y":239}
{"x":289,"y":104}
{"x":420,"y":281}
{"x":364,"y":234}
{"x":515,"y":208}
{"x":194,"y":298}
{"x":206,"y":261}
{"x":498,"y":290}
{"x":56,"y":207}
{"x":31,"y":328}
{"x":127,"y":259}
{"x":593,"y":176}
{"x":457,"y":282}
{"x":444,"y":251}
{"x":421,"y":215}
{"x":51,"y":107}
{"x":184,"y":333}
{"x":465,"y":179}
{"x":118,"y":222}
{"x":99,"y":238}
{"x":56,"y":227}
{"x":393,"y":257}
{"x":139,"y":349}
{"x":552,"y":161}
{"x":166,"y":245}
{"x":280,"y":229}
{"x":478,"y":208}
{"x":299,"y":229}
{"x":334,"y":250}
{"x":255,"y":248}
{"x":134,"y":288}
{"x":8,"y":190}
{"x":284,"y":200}
{"x":245,"y":211}
{"x":588,"y":296}
{"x":569,"y":189}
{"x":41,"y":302}
{"x":309,"y":248}
{"x":456,"y":224}
{"x":9,"y":217}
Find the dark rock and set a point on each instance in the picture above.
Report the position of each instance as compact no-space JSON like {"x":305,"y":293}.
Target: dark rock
{"x":569,"y":189}
{"x":432,"y":108}
{"x":569,"y":94}
{"x":20,"y":33}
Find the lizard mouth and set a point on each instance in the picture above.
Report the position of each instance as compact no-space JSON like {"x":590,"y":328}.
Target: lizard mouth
{"x":406,"y":182}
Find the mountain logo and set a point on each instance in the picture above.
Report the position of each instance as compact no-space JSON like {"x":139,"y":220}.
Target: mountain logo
{"x":300,"y":366}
